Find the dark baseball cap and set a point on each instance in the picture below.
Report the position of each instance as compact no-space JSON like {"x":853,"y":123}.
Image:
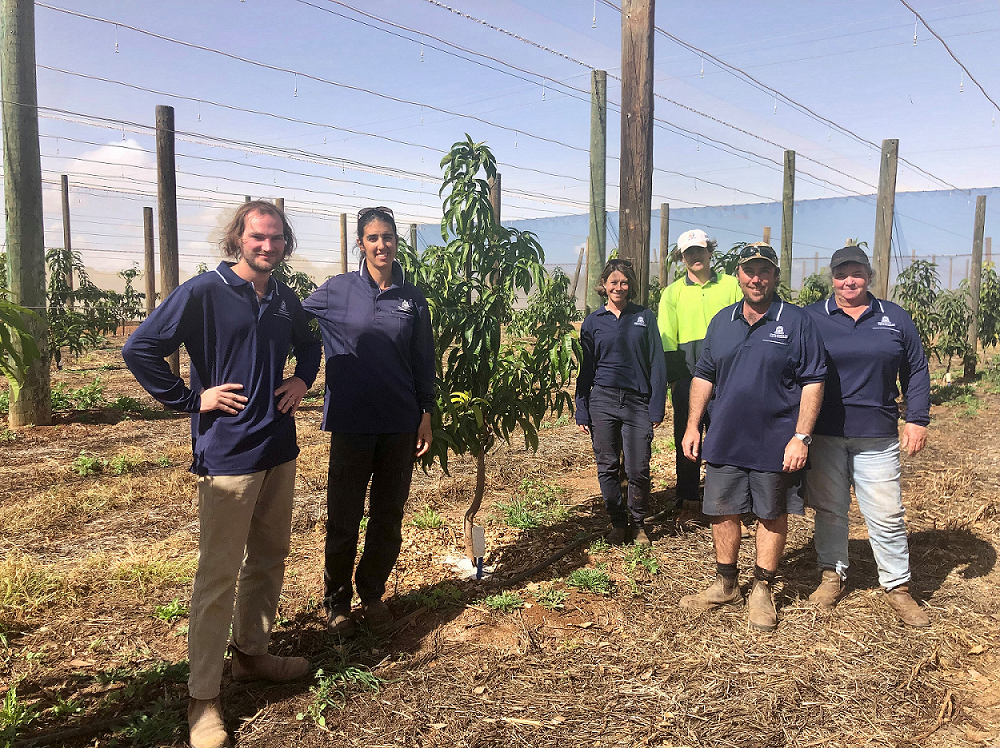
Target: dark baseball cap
{"x":758,"y":251}
{"x":850,"y":253}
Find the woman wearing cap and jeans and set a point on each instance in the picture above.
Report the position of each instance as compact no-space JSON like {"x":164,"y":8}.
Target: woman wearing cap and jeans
{"x":621,"y":395}
{"x":379,"y":394}
{"x":870,"y":344}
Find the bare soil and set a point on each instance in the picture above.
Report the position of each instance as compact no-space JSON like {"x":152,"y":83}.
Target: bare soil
{"x":88,"y":561}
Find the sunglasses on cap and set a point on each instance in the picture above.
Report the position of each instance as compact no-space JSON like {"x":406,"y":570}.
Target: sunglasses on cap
{"x":377,"y":209}
{"x":760,"y":251}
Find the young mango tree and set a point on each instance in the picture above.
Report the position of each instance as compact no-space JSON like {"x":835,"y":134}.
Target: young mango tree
{"x":489,"y":385}
{"x":17,"y":346}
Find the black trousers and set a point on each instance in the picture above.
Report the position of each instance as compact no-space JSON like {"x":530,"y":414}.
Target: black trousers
{"x":619,"y":422}
{"x":355,"y":459}
{"x":688,"y":472}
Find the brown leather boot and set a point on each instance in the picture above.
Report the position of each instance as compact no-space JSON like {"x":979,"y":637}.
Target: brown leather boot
{"x":906,"y":607}
{"x":377,"y":616}
{"x":268,"y":667}
{"x":639,"y":537}
{"x":760,"y":610}
{"x":721,"y":592}
{"x":205,"y":721}
{"x":831,"y":587}
{"x":617,"y":536}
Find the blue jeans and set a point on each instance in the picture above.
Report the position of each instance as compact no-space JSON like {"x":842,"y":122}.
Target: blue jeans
{"x":871,"y":465}
{"x":619,"y":422}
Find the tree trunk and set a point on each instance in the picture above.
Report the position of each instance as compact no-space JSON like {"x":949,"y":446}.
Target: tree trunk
{"x":470,"y":515}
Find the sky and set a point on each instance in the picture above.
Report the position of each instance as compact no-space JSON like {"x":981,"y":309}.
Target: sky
{"x":339,"y":105}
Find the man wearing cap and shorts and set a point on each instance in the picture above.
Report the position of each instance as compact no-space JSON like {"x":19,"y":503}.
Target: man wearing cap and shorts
{"x":760,"y":376}
{"x":686,"y":307}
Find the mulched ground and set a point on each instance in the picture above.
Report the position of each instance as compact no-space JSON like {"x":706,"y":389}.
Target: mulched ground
{"x":89,"y":560}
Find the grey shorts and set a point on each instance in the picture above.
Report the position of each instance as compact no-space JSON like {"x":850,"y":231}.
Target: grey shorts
{"x":734,"y":490}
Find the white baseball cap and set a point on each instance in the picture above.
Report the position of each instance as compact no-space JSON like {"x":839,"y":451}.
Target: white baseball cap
{"x":694,"y":238}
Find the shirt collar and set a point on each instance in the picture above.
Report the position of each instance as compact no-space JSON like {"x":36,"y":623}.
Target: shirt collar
{"x":714,"y":278}
{"x":397,"y":273}
{"x":773,"y":312}
{"x":629,"y":307}
{"x":225,"y":271}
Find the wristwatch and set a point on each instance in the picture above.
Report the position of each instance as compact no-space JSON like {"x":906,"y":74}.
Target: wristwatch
{"x":804,"y":438}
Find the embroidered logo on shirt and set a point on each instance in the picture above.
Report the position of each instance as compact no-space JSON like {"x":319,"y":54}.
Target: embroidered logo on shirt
{"x":885,"y":321}
{"x":282,"y":311}
{"x":405,"y":305}
{"x":640,"y":322}
{"x":779,"y":332}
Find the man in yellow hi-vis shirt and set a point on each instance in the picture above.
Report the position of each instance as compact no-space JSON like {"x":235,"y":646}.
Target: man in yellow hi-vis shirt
{"x":686,"y":307}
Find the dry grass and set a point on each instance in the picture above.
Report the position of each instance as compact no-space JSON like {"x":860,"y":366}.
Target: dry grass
{"x":26,"y":588}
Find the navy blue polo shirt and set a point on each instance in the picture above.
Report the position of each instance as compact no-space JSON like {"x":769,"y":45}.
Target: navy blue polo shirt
{"x":231,"y":337}
{"x":379,"y":353}
{"x":864,"y":360}
{"x":758,"y":372}
{"x":623,"y":352}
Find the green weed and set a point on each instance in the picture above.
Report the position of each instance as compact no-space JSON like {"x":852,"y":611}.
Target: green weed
{"x":88,"y":464}
{"x":950,"y":394}
{"x":163,"y":461}
{"x":440,"y":596}
{"x":124,"y":463}
{"x":66,"y":707}
{"x":641,"y":556}
{"x":505,"y":602}
{"x":590,"y":580}
{"x":7,"y":436}
{"x":14,"y":716}
{"x":128,"y":404}
{"x":537,"y":505}
{"x":60,"y":397}
{"x":171,"y":611}
{"x":89,"y":395}
{"x":159,"y":725}
{"x":551,"y":599}
{"x":600,"y":545}
{"x":4,"y":401}
{"x":427,"y":519}
{"x":561,"y":421}
{"x":332,"y":688}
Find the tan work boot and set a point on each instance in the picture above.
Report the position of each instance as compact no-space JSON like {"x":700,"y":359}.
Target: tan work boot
{"x":268,"y":667}
{"x":721,"y":592}
{"x":205,"y":721}
{"x":906,"y":607}
{"x":831,"y":587}
{"x":377,"y":616}
{"x":639,"y":537}
{"x":760,"y":609}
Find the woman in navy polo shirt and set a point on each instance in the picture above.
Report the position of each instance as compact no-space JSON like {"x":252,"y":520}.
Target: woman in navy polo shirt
{"x":621,"y":394}
{"x":379,"y":394}
{"x":870,"y":344}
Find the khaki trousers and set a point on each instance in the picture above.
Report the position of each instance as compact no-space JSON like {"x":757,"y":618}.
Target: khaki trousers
{"x":246,"y":525}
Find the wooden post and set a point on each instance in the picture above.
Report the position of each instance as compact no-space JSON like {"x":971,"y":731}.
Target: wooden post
{"x":166,"y":198}
{"x":413,"y":237}
{"x":816,"y":263}
{"x":343,"y":243}
{"x":150,"y":260}
{"x":787,"y":216}
{"x":576,"y":275}
{"x":975,"y":283}
{"x":495,"y":197}
{"x":22,"y":169}
{"x":951,"y":270}
{"x":664,"y":245}
{"x":587,"y":278}
{"x":279,"y":203}
{"x":885,"y":205}
{"x":67,"y":239}
{"x":597,"y":249}
{"x":805,"y":273}
{"x":767,"y":235}
{"x":246,"y":198}
{"x":637,"y":139}
{"x":988,"y":248}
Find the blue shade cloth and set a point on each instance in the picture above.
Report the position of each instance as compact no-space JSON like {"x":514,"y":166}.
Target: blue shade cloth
{"x":758,"y":372}
{"x":379,"y":353}
{"x":231,"y":337}
{"x":623,"y":353}
{"x":864,"y":360}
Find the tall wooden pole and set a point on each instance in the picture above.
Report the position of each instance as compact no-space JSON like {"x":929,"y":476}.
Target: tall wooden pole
{"x":246,"y":198}
{"x":636,"y":175}
{"x":766,"y":237}
{"x":413,"y":237}
{"x":988,"y":248}
{"x":588,"y":279}
{"x":664,"y":245}
{"x":67,"y":239}
{"x":166,"y":200}
{"x":343,"y":243}
{"x":495,"y":189}
{"x":597,"y":249}
{"x":149,"y":256}
{"x":22,"y":167}
{"x":279,"y":203}
{"x":576,"y":275}
{"x":884,"y":209}
{"x":975,"y":283}
{"x":787,"y":216}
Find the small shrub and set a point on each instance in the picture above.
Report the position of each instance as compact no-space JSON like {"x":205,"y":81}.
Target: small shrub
{"x":88,"y":464}
{"x":590,"y":580}
{"x":128,"y":404}
{"x":89,"y":395}
{"x":505,"y":602}
{"x":61,"y":399}
{"x":124,"y":463}
{"x":171,"y":611}
{"x":332,"y":688}
{"x":551,"y":599}
{"x":427,"y":519}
